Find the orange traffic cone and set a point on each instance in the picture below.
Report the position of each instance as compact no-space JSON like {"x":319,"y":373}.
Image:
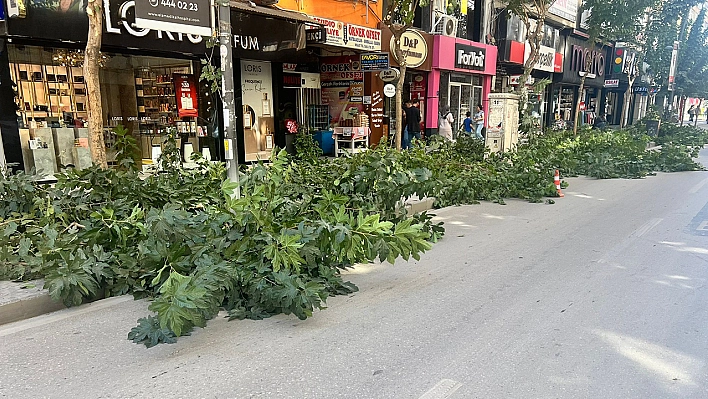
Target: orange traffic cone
{"x":557,"y":180}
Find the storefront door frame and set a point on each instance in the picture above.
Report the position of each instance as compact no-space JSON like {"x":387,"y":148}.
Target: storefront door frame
{"x":461,"y":103}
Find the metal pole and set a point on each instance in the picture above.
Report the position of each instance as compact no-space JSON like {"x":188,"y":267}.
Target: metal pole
{"x":227,"y":94}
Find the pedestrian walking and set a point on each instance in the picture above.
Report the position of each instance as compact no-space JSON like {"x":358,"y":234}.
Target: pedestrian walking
{"x":691,"y":113}
{"x":446,"y":121}
{"x":467,"y":123}
{"x":413,"y":121}
{"x":479,"y":121}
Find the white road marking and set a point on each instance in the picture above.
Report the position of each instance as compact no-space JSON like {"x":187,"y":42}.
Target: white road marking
{"x":703,"y":226}
{"x":698,"y":186}
{"x":442,"y":389}
{"x":643,"y":229}
{"x":646,"y":227}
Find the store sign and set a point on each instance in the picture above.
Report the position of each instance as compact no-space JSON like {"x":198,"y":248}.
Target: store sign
{"x":558,"y":63}
{"x":469,"y":57}
{"x":357,"y":37}
{"x":183,"y":16}
{"x":316,"y":35}
{"x":418,"y":86}
{"x":122,"y":19}
{"x":587,"y":62}
{"x":414,"y":47}
{"x":389,"y":75}
{"x":45,"y":22}
{"x":341,"y":81}
{"x":566,"y":9}
{"x":389,"y":90}
{"x":292,"y":80}
{"x":250,"y":40}
{"x":186,"y":94}
{"x":2,"y":10}
{"x":612,"y":82}
{"x":546,"y":58}
{"x":641,"y":89}
{"x":372,"y":62}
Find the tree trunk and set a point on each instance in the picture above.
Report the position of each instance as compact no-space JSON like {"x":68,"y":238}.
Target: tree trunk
{"x":94,"y":10}
{"x":577,"y":105}
{"x":534,"y":41}
{"x":399,"y":85}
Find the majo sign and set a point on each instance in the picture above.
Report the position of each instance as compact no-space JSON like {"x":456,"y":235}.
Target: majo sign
{"x":587,"y":62}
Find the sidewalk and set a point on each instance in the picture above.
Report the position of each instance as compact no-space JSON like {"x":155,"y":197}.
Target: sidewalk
{"x":21,"y":301}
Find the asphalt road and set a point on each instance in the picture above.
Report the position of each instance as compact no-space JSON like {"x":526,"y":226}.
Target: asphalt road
{"x":601,"y":295}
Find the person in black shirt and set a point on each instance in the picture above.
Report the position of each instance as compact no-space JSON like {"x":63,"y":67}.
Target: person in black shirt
{"x":413,"y":118}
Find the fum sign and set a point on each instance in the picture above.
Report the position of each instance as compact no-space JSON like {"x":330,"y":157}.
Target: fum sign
{"x":181,"y":16}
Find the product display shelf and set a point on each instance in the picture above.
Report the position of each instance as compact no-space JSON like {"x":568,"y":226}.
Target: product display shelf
{"x":350,"y":140}
{"x":50,"y":91}
{"x":157,"y":105}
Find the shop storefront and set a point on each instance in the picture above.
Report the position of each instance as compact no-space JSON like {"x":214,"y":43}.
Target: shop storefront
{"x":623,"y":64}
{"x":461,"y":78}
{"x":417,"y":46}
{"x":279,"y":79}
{"x":351,"y":98}
{"x":514,"y":52}
{"x":149,"y":85}
{"x":581,"y":59}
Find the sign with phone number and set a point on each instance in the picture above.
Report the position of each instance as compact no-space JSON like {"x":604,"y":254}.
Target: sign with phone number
{"x":179,"y":16}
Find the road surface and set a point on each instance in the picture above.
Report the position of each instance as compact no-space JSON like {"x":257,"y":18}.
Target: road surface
{"x":601,"y":295}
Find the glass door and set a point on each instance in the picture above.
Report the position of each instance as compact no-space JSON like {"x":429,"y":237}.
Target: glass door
{"x":476,"y":98}
{"x":455,"y":101}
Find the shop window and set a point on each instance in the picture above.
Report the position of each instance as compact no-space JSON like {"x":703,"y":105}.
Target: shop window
{"x":515,"y":29}
{"x":137,"y":92}
{"x":444,"y":99}
{"x":550,"y":36}
{"x":560,"y":44}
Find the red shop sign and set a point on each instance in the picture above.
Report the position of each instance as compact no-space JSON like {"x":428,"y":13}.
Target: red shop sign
{"x":186,"y":93}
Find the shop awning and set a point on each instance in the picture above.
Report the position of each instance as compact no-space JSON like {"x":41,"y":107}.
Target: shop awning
{"x":250,"y":7}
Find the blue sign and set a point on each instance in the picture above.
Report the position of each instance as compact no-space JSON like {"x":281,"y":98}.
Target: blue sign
{"x":2,"y":10}
{"x":374,"y":62}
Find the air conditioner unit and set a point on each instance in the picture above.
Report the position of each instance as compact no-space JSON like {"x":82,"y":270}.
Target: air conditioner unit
{"x":446,"y":25}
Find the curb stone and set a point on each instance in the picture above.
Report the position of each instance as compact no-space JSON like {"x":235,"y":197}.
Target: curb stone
{"x":21,"y":301}
{"x":415,"y":205}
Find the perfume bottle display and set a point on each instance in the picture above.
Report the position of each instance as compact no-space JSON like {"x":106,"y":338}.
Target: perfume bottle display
{"x":187,"y":102}
{"x":266,"y":105}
